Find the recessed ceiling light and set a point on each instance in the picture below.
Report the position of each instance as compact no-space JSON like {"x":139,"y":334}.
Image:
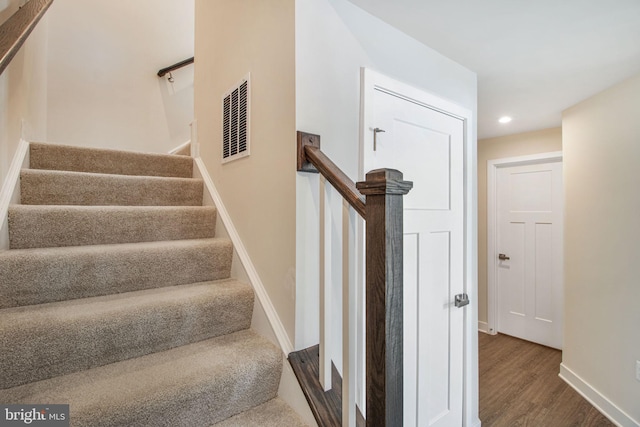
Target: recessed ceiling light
{"x":505,"y":119}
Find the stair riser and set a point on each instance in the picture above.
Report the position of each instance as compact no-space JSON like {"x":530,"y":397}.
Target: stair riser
{"x":203,"y":406}
{"x":52,"y":226}
{"x":38,"y":276}
{"x":78,"y":159}
{"x":60,"y":188}
{"x":193,"y":386}
{"x":60,"y":339}
{"x":274,"y":413}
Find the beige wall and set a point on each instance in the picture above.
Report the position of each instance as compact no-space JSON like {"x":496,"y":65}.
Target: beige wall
{"x":23,"y":92}
{"x":23,"y":87}
{"x":523,"y":144}
{"x":601,"y":139}
{"x":234,"y":37}
{"x":103,"y":57}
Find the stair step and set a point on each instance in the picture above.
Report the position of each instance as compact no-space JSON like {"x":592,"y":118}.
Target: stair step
{"x":46,"y":187}
{"x":191,"y":386}
{"x":116,"y":298}
{"x":33,"y":226}
{"x":81,"y":159}
{"x":48,"y":340}
{"x":37,"y":276}
{"x":274,"y":413}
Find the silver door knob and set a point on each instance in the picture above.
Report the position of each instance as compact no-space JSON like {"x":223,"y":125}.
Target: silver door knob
{"x":461,"y":300}
{"x":503,"y":257}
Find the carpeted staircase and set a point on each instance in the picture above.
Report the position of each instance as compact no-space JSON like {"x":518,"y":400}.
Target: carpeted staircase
{"x":115,"y":298}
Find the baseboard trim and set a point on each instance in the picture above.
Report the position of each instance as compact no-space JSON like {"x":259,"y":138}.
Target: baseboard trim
{"x":254,"y":278}
{"x":593,"y":396}
{"x":180,"y":147}
{"x":483,"y":327}
{"x":10,"y":186}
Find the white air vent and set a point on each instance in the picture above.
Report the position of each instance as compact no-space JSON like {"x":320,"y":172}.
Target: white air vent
{"x":235,"y":121}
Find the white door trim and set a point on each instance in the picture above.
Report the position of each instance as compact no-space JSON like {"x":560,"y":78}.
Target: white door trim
{"x":371,"y":81}
{"x":492,"y":228}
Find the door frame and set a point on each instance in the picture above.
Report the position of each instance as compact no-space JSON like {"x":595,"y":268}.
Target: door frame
{"x":492,"y":226}
{"x":370,"y":82}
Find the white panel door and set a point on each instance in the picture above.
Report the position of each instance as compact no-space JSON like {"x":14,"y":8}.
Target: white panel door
{"x":529,"y":241}
{"x":428,"y":147}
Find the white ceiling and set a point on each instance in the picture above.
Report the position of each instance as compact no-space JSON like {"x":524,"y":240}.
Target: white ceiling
{"x":533,"y":58}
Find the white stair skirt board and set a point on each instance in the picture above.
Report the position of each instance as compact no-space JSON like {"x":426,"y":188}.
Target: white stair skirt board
{"x":10,"y":189}
{"x":264,"y":312}
{"x":254,"y":278}
{"x":593,"y":396}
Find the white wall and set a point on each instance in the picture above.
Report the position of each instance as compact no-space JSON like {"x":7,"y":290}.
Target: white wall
{"x":334,"y":39}
{"x":601,"y":144}
{"x":22,"y":98}
{"x":102,"y":85}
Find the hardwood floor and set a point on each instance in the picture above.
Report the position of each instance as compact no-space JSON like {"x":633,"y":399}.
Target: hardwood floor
{"x":519,"y":386}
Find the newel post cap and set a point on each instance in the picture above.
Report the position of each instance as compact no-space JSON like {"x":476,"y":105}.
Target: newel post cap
{"x":384,"y":181}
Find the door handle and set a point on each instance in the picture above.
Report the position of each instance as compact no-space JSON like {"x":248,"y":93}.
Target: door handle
{"x":503,"y":257}
{"x":375,"y":137}
{"x":461,"y":300}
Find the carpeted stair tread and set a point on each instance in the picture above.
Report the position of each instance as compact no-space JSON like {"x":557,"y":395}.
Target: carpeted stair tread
{"x":274,"y":413}
{"x":42,"y":275}
{"x":32,"y":226}
{"x":116,"y":298}
{"x":47,"y":187}
{"x":81,"y":159}
{"x":47,"y":340}
{"x":191,"y":386}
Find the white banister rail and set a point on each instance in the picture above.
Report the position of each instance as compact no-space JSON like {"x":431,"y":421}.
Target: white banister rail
{"x":349,"y":316}
{"x":343,"y":243}
{"x":325,"y":294}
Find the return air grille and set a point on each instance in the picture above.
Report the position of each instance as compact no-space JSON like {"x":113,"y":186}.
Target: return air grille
{"x":235,"y":121}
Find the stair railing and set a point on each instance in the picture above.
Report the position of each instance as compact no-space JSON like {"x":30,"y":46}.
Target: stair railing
{"x":378,"y":200}
{"x":164,"y":71}
{"x":15,"y":30}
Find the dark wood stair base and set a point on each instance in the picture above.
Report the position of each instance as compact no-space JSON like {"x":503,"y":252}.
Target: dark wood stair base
{"x":326,"y":406}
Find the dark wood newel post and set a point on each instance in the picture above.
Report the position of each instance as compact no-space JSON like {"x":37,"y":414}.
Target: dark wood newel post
{"x":384,"y":189}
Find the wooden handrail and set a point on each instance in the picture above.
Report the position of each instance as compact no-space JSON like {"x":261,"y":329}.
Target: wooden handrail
{"x":175,"y":66}
{"x":310,"y":156}
{"x":15,"y":30}
{"x":379,"y":200}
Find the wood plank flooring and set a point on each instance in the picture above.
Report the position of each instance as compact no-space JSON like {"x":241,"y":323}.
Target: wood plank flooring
{"x":519,"y":386}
